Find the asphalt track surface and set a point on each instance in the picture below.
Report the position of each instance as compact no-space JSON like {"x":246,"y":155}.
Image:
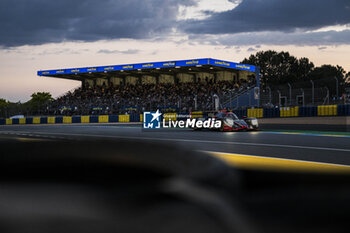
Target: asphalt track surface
{"x":313,"y":147}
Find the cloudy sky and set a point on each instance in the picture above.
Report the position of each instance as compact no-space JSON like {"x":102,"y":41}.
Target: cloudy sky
{"x":49,"y":34}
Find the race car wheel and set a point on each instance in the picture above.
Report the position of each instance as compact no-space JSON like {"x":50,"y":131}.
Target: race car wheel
{"x":222,"y":128}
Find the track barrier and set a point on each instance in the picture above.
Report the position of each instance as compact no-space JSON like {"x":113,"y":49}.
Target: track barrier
{"x":306,"y":111}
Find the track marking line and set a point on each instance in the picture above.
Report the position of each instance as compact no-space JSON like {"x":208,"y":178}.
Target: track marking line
{"x":21,"y":139}
{"x":192,"y":140}
{"x":307,"y":134}
{"x":239,"y":160}
{"x":198,"y":141}
{"x":269,"y":163}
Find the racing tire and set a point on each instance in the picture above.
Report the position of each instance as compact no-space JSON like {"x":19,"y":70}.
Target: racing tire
{"x":222,"y":128}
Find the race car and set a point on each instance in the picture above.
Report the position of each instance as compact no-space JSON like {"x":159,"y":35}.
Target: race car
{"x":230,"y":122}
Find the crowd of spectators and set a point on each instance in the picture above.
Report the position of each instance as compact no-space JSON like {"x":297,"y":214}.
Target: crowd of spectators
{"x":128,"y":98}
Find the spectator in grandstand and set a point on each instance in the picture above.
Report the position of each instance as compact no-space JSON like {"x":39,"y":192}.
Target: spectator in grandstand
{"x":110,"y":99}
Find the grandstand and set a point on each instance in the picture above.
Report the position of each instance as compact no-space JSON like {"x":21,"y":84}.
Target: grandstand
{"x":186,"y":85}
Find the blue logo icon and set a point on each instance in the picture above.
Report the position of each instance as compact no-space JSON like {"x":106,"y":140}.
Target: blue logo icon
{"x":151,"y":120}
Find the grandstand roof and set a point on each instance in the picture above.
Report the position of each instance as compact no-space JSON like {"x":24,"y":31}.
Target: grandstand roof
{"x":152,"y":68}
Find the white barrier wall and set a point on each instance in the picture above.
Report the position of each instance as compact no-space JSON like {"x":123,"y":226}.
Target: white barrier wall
{"x":203,"y":76}
{"x":166,"y":79}
{"x":148,"y":80}
{"x":185,"y":78}
{"x":89,"y":82}
{"x":131,"y":80}
{"x":226,"y":76}
{"x":116,"y":81}
{"x":101,"y":81}
{"x":244,"y":74}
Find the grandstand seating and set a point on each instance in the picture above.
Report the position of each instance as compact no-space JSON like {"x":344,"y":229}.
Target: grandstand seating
{"x":109,"y":99}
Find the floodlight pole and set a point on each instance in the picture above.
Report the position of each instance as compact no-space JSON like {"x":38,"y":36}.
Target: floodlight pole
{"x":195,"y":102}
{"x":270,"y":96}
{"x":290,"y":94}
{"x":313,"y":91}
{"x":216,"y":102}
{"x":337,"y":86}
{"x":279,"y":98}
{"x":230,"y":99}
{"x":327,"y":95}
{"x":303,"y":93}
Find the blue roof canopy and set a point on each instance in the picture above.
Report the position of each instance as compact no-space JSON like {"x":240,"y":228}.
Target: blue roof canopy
{"x":151,"y":65}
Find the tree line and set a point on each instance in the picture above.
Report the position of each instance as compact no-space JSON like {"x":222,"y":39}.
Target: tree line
{"x":36,"y":105}
{"x":276,"y":69}
{"x":281,"y":68}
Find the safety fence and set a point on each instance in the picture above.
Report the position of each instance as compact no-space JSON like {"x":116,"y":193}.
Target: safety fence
{"x":307,"y":111}
{"x":72,"y":119}
{"x":94,"y":119}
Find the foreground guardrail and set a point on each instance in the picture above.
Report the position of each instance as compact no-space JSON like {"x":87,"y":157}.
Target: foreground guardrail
{"x":90,"y":119}
{"x":73,"y":119}
{"x":307,"y":111}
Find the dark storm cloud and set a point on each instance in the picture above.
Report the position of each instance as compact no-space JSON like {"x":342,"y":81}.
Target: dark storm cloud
{"x":280,"y":38}
{"x":273,"y":15}
{"x":30,"y":22}
{"x":321,"y":38}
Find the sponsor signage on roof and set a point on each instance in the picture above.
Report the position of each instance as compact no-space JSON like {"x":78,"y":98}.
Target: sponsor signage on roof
{"x":125,"y":67}
{"x":193,"y":62}
{"x":115,"y":68}
{"x":231,"y":65}
{"x":107,"y":68}
{"x":86,"y":70}
{"x":155,"y":65}
{"x":73,"y":71}
{"x":51,"y":72}
{"x":244,"y":67}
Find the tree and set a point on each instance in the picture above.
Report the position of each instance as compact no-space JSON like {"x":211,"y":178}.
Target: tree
{"x":347,"y":79}
{"x":325,"y":76}
{"x":41,"y":97}
{"x":39,"y":100}
{"x":280,"y":68}
{"x":3,"y":103}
